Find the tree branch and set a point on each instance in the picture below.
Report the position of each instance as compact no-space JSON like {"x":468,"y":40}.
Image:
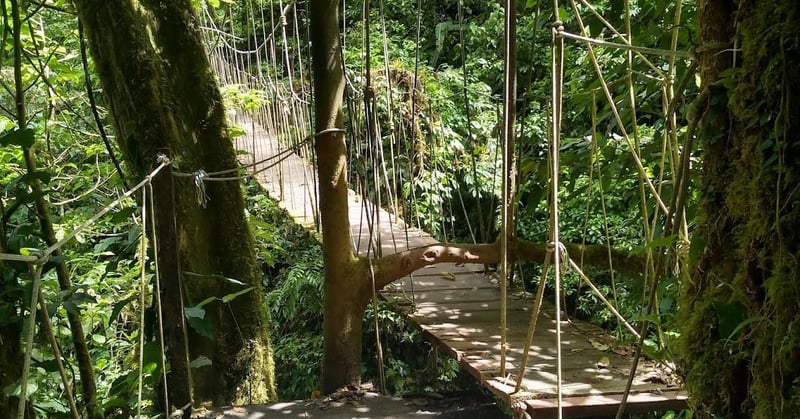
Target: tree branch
{"x":393,"y":267}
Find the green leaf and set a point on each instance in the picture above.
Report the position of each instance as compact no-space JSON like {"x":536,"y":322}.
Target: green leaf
{"x":229,"y":297}
{"x":199,"y":362}
{"x":22,"y":138}
{"x":664,"y":241}
{"x":194,"y":312}
{"x":52,"y":406}
{"x":730,"y":316}
{"x":215,"y":276}
{"x":118,"y":308}
{"x":235,"y":132}
{"x":99,"y":339}
{"x":202,"y":326}
{"x":562,"y":14}
{"x":152,"y":353}
{"x":206,"y":301}
{"x":743,"y":324}
{"x":14,"y":389}
{"x":698,"y":244}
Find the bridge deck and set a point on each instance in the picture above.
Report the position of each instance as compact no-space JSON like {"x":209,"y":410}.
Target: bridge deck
{"x":462,"y":315}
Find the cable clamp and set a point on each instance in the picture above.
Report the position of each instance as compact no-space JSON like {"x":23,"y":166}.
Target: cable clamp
{"x":327,"y":131}
{"x":162,"y":158}
{"x":558,"y":27}
{"x":202,"y":196}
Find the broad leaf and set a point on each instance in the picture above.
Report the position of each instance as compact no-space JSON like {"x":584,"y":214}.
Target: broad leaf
{"x":200,"y":361}
{"x":22,"y":138}
{"x":194,"y":312}
{"x":229,"y":297}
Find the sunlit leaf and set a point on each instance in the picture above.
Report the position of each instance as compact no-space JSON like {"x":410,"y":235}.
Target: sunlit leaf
{"x":229,"y":297}
{"x":200,"y":361}
{"x":194,"y":312}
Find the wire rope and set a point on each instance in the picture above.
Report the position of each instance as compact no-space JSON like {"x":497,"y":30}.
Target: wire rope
{"x":509,"y":177}
{"x":36,"y":276}
{"x":157,"y":292}
{"x":483,"y":234}
{"x":557,"y":85}
{"x":142,"y":303}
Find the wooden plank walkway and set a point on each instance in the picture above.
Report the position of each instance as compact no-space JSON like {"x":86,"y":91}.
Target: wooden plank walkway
{"x":462,"y":316}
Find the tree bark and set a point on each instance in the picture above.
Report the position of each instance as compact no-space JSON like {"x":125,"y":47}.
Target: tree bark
{"x":164,"y":99}
{"x":741,"y":339}
{"x":346,"y":290}
{"x":393,"y":267}
{"x":10,"y":351}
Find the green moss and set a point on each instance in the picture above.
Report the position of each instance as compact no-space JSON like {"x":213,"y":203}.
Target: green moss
{"x":259,"y":373}
{"x":750,"y":220}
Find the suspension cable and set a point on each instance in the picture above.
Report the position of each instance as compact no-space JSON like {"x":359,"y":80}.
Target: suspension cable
{"x":509,"y":169}
{"x":557,"y":86}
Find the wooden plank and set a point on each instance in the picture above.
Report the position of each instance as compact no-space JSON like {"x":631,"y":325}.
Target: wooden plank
{"x":607,"y":405}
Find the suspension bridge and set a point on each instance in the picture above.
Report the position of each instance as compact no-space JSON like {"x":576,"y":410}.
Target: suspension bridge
{"x":458,"y":308}
{"x":525,"y":352}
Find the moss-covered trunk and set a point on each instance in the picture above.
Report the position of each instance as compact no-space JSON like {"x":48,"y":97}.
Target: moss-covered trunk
{"x":164,"y":99}
{"x":741,"y":342}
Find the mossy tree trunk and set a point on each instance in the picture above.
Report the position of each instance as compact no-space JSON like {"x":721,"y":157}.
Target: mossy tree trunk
{"x":164,"y":99}
{"x":741,"y":342}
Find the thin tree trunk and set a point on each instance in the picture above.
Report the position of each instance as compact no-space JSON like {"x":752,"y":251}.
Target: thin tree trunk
{"x":85,"y":364}
{"x":346,"y":289}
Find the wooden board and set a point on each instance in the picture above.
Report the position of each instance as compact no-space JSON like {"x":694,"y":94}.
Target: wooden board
{"x":607,"y":405}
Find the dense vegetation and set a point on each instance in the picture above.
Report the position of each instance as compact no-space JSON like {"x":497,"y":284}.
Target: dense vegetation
{"x":681,"y":126}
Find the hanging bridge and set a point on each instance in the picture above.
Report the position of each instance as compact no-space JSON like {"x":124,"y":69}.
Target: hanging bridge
{"x":458,"y":309}
{"x":540,"y":362}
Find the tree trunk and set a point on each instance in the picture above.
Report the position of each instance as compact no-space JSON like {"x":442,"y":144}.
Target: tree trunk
{"x":10,"y":353}
{"x":347,"y":290}
{"x":84,"y":360}
{"x":164,"y":99}
{"x":741,"y":341}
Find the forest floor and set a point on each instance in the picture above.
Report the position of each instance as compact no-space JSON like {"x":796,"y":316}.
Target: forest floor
{"x":365,"y":404}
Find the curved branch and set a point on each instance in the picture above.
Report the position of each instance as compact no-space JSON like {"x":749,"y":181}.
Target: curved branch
{"x":395,"y":266}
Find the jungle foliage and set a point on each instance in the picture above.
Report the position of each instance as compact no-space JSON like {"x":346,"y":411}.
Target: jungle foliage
{"x":724,"y":310}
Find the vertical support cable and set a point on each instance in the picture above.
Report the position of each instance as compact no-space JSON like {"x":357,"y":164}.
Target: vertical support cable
{"x":509,"y":168}
{"x":142,"y":303}
{"x":157,"y":290}
{"x":557,"y":84}
{"x":36,"y":275}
